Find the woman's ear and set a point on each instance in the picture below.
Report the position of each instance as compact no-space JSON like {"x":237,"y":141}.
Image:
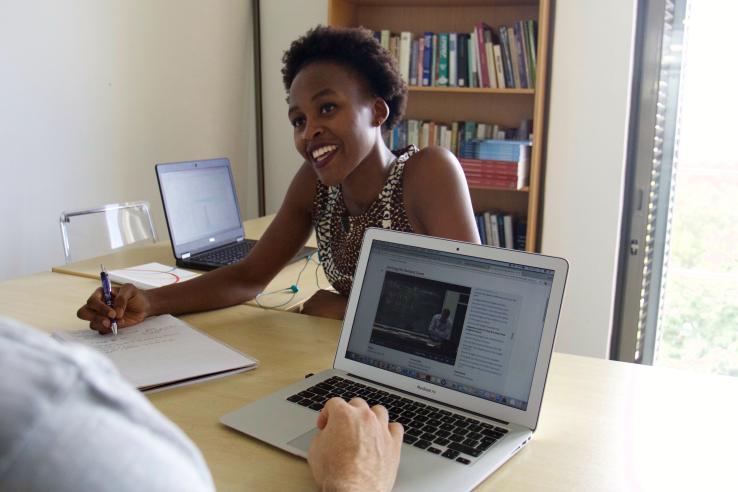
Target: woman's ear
{"x":381,"y":111}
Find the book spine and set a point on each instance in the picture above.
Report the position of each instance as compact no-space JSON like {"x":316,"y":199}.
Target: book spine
{"x":427,"y":58}
{"x":384,"y":39}
{"x":533,"y":47}
{"x":488,"y":228}
{"x":483,"y":71}
{"x":522,"y":55}
{"x":462,"y":63}
{"x":495,"y":230}
{"x":443,"y":55}
{"x":473,"y":58}
{"x":514,"y":59}
{"x":499,"y":69}
{"x":501,"y":230}
{"x":453,"y":47}
{"x":507,"y":221}
{"x":404,"y":56}
{"x":506,"y":62}
{"x":414,"y":62}
{"x":434,"y":61}
{"x":489,"y":54}
{"x":421,"y":55}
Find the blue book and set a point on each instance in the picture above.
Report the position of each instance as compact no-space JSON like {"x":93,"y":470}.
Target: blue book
{"x":427,"y":57}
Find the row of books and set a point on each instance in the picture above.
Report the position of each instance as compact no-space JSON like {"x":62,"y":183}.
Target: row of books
{"x":501,"y":230}
{"x":452,"y":135}
{"x":502,"y":57}
{"x":496,"y":163}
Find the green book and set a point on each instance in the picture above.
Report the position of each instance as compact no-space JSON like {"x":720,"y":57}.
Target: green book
{"x":442,"y":59}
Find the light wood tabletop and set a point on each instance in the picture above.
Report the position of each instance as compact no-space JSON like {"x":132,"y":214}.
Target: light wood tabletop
{"x":604,"y":426}
{"x":310,"y":281}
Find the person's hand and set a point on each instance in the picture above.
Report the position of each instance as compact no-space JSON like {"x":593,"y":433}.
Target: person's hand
{"x":326,"y":304}
{"x":356,"y":449}
{"x":130,"y":306}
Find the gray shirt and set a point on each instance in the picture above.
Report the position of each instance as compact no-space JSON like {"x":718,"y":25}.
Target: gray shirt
{"x":68,"y":422}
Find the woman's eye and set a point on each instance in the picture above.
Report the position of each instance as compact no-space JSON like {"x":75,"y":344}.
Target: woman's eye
{"x":327,"y":108}
{"x":297,"y":122}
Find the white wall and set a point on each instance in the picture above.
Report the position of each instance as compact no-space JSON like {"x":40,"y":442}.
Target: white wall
{"x":93,"y":93}
{"x":587,"y":130}
{"x":282,"y":21}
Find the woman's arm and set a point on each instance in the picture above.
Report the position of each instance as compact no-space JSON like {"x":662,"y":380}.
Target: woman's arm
{"x":437,"y":197}
{"x":225,"y":286}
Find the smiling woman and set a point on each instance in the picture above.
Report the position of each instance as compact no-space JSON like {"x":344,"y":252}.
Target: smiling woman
{"x":343,"y":89}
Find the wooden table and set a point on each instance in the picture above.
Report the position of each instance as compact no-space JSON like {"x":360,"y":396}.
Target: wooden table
{"x":311,"y":280}
{"x":604,"y":426}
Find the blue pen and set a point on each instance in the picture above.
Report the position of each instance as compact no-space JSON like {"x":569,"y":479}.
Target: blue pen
{"x":108,"y":295}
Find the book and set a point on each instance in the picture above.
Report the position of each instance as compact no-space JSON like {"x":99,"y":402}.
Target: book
{"x":522,"y":55}
{"x":471,"y":56}
{"x":413,"y":62}
{"x":488,"y":228}
{"x":499,"y":69}
{"x":421,"y":57}
{"x":532,"y":35}
{"x":163,"y":352}
{"x":150,"y":275}
{"x":384,"y":39}
{"x":462,"y":64}
{"x":489,"y":39}
{"x":482,"y":56}
{"x":508,"y":226}
{"x":506,"y":61}
{"x":514,"y":58}
{"x":453,"y":58}
{"x":427,"y":57}
{"x":404,"y":55}
{"x":443,"y":60}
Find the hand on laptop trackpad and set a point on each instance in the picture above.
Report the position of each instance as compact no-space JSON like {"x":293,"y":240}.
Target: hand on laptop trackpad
{"x":303,"y":442}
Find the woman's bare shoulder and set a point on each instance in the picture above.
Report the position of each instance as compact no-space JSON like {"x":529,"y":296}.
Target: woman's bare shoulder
{"x":430,"y":169}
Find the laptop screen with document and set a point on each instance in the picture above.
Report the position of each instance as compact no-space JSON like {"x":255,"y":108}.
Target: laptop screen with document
{"x":469,"y":324}
{"x":201,"y":205}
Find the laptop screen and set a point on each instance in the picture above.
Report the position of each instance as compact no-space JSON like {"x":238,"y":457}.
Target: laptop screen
{"x":200,"y":204}
{"x":468,"y":324}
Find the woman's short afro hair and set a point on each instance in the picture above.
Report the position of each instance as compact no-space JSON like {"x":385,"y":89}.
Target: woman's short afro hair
{"x":356,"y":49}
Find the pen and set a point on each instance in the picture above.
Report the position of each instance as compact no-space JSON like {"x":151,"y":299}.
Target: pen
{"x":107,"y":295}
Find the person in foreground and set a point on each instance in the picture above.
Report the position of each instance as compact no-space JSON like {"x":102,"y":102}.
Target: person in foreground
{"x":68,"y":422}
{"x":344,"y":90}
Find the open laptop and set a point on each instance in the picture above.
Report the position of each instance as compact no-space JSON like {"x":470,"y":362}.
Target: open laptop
{"x":203,"y":216}
{"x":469,"y":397}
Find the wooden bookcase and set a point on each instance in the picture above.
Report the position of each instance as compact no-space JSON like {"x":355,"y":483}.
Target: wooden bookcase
{"x":502,"y":106}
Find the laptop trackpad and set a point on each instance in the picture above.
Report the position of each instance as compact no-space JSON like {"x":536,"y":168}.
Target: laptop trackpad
{"x":303,"y":442}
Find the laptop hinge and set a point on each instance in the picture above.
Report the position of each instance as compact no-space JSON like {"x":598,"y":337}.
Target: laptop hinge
{"x":429,"y":399}
{"x":239,"y":239}
{"x":186,"y":255}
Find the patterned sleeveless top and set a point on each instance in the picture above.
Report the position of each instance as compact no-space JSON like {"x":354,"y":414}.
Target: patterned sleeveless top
{"x":340,"y":235}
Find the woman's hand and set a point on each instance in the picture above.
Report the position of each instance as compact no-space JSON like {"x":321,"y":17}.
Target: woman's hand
{"x":130,"y":306}
{"x":326,"y":304}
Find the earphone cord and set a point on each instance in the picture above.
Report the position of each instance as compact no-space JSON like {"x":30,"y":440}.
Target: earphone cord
{"x":294,"y":287}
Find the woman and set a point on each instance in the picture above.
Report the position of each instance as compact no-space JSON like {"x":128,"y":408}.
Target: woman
{"x":343,"y":90}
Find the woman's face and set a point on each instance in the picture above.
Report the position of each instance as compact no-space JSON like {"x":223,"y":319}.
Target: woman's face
{"x":334,"y":119}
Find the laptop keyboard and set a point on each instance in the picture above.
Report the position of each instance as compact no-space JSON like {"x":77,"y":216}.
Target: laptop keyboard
{"x":453,"y":436}
{"x":226,"y":255}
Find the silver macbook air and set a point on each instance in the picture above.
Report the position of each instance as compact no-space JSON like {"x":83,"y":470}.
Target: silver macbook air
{"x":455,"y":339}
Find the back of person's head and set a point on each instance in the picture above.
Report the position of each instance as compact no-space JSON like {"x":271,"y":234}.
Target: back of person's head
{"x":356,"y":49}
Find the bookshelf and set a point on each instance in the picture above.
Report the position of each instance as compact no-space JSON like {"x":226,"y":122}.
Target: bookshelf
{"x":446,"y":104}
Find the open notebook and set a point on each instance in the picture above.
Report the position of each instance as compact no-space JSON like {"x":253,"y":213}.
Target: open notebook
{"x":163,"y":351}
